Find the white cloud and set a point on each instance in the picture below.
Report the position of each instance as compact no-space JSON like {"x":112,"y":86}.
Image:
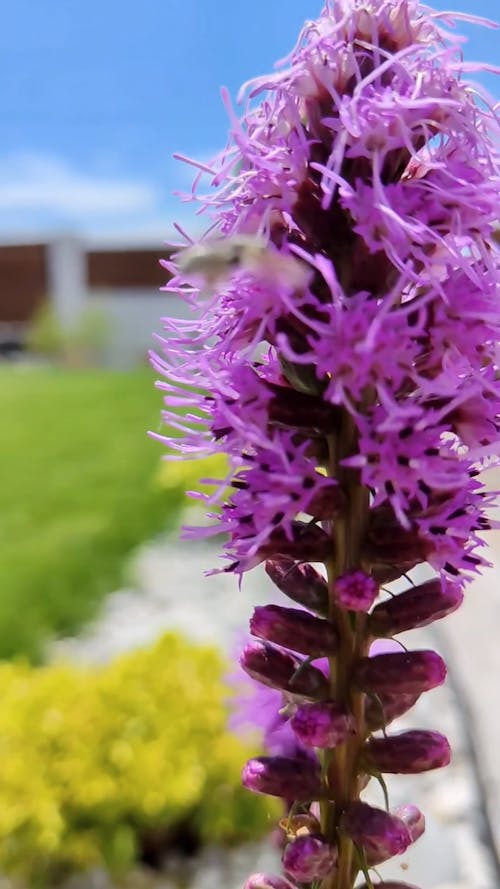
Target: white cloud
{"x":35,"y":183}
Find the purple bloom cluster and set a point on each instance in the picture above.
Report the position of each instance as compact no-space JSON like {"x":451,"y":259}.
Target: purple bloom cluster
{"x":344,"y":355}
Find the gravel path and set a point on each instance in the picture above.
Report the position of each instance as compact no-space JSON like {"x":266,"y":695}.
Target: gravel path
{"x":170,"y":591}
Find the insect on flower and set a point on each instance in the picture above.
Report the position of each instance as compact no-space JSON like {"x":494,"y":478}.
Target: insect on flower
{"x":214,"y":260}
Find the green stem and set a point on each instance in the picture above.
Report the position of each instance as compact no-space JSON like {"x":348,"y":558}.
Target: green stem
{"x":342,"y":761}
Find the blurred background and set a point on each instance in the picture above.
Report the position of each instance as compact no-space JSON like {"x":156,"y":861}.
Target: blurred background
{"x":116,"y":767}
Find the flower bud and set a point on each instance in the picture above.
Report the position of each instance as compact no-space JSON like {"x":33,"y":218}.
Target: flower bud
{"x":298,"y":410}
{"x":327,"y":503}
{"x":381,"y":710}
{"x":392,"y":884}
{"x":302,"y":824}
{"x":267,"y":881}
{"x":323,"y":724}
{"x":408,"y":672}
{"x":283,"y":776}
{"x":379,"y":833}
{"x":308,"y":543}
{"x":309,"y":858}
{"x":416,"y":607}
{"x":283,"y":671}
{"x":356,"y":591}
{"x":413,"y":818}
{"x":300,"y":582}
{"x":294,"y":629}
{"x":407,"y":753}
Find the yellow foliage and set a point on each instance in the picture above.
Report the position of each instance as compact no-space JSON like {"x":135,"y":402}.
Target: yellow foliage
{"x":185,"y":475}
{"x":91,"y":759}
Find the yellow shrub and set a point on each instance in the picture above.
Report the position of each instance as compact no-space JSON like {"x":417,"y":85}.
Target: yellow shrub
{"x":185,"y":475}
{"x":93,"y":759}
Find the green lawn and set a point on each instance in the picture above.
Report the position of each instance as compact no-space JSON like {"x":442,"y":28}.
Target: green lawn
{"x":78,"y":494}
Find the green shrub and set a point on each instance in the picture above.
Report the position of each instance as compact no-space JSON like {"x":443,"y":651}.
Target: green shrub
{"x":80,"y":491}
{"x":96,"y":761}
{"x":81,"y":345}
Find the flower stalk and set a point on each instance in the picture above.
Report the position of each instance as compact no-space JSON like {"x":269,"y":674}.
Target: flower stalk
{"x":345,"y":359}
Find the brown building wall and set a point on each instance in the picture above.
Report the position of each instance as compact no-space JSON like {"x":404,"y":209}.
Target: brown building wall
{"x":125,"y":268}
{"x":23,"y":281}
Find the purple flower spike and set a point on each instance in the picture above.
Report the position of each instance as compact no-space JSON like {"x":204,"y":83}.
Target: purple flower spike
{"x":300,"y":582}
{"x":296,"y":779}
{"x":379,"y":833}
{"x":356,"y":591}
{"x":267,"y":881}
{"x":309,"y":858}
{"x":283,"y":671}
{"x":407,"y":753}
{"x":322,"y":725}
{"x":294,"y":629}
{"x":409,"y":672}
{"x":416,"y":607}
{"x":342,"y":352}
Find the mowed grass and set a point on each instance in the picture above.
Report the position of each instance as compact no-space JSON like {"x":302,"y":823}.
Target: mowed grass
{"x":79,"y":492}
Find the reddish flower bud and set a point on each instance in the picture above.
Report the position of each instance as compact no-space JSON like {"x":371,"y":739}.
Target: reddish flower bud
{"x":407,"y":753}
{"x":379,"y":833}
{"x":298,"y":410}
{"x":277,"y":669}
{"x":323,"y":724}
{"x":294,"y":629}
{"x":309,"y":858}
{"x":327,"y":503}
{"x":301,"y":824}
{"x":416,"y":607}
{"x":392,"y":884}
{"x":300,"y":582}
{"x":413,"y":818}
{"x":381,"y":710}
{"x":408,"y":672}
{"x":308,"y":543}
{"x":356,"y":591}
{"x":267,"y":881}
{"x":283,"y":776}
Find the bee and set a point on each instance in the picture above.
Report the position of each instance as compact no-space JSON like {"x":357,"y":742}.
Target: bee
{"x":215,"y":260}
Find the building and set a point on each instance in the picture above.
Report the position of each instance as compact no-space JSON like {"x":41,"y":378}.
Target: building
{"x":122,"y":283}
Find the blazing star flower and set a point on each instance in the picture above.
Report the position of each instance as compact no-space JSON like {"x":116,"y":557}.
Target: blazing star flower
{"x":344,"y":355}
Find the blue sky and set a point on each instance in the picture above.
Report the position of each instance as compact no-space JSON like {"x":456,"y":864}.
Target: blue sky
{"x":98,"y":95}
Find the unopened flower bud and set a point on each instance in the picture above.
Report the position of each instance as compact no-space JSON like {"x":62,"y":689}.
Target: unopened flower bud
{"x":356,"y":591}
{"x":327,"y":503}
{"x":283,"y":776}
{"x":413,"y":818}
{"x":407,"y":753}
{"x":307,"y":542}
{"x":408,"y":672}
{"x":309,"y":858}
{"x":294,"y":629}
{"x":416,"y":607}
{"x":323,"y":724}
{"x":302,"y":824}
{"x":267,"y":881}
{"x":300,"y":582}
{"x":392,"y":884}
{"x":299,"y":410}
{"x":277,"y":669}
{"x":379,"y":833}
{"x":382,"y":709}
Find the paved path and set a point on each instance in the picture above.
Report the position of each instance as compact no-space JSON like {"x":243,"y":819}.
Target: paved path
{"x":169,"y":590}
